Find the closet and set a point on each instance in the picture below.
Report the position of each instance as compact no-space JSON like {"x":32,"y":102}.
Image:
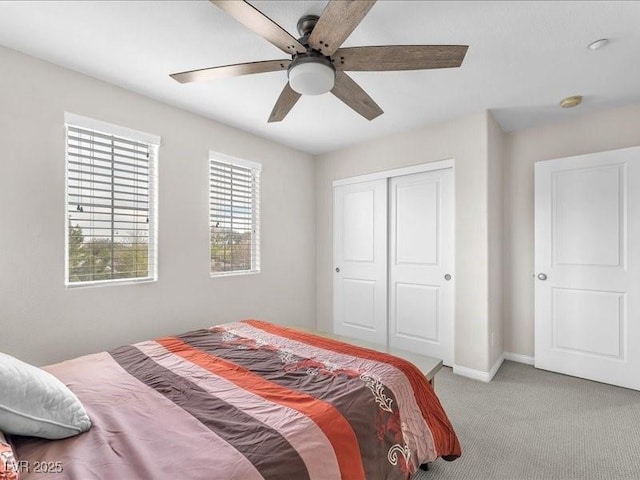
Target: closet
{"x":393,"y":251}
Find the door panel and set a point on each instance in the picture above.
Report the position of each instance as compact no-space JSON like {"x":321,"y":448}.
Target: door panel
{"x":358,"y":242}
{"x":421,"y":242}
{"x":417,"y":228}
{"x":360,"y":258}
{"x":587,"y":229}
{"x":587,"y":201}
{"x":588,"y":321}
{"x":360,"y":307}
{"x":411,"y":303}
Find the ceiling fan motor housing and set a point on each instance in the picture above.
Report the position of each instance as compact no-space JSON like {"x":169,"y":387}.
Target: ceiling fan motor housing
{"x":305,"y":24}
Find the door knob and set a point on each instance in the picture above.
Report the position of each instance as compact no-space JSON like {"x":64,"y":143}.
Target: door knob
{"x":337,"y":269}
{"x":542,"y":276}
{"x":447,"y":277}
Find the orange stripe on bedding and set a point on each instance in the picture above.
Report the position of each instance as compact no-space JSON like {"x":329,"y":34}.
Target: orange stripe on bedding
{"x":444,"y":437}
{"x":331,"y":422}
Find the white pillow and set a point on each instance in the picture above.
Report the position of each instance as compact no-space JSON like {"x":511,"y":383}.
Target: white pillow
{"x":35,"y":403}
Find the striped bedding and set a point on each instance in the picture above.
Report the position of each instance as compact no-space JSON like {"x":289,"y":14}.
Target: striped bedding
{"x":246,"y":400}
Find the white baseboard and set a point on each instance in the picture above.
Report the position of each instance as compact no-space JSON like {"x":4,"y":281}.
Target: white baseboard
{"x":488,"y":376}
{"x":479,"y":374}
{"x":516,"y":357}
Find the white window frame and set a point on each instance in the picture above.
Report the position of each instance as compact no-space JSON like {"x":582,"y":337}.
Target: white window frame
{"x":256,"y":169}
{"x":153,"y":141}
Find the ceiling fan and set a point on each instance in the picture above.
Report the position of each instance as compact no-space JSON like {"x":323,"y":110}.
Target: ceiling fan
{"x":317,"y":63}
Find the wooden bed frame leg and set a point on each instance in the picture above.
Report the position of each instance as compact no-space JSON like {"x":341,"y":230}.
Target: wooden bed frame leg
{"x":424,"y":466}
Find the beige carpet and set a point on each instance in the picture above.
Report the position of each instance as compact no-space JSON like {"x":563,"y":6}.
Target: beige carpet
{"x":532,"y":424}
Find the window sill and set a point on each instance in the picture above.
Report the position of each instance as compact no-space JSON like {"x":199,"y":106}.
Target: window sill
{"x":110,"y":283}
{"x":233,"y":274}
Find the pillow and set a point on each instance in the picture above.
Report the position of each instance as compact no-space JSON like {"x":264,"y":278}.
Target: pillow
{"x":8,"y":465}
{"x":35,"y":403}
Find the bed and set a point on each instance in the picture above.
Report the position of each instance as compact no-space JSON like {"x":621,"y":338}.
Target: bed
{"x":245,"y":400}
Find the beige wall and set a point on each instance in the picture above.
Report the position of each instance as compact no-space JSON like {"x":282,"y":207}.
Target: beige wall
{"x":465,"y":141}
{"x":608,"y":130}
{"x":40,"y":320}
{"x":495,"y":237}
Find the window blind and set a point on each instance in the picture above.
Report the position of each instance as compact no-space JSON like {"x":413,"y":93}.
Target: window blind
{"x":234,"y":215}
{"x":110,"y":203}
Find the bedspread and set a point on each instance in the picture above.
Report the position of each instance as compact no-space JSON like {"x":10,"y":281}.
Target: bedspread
{"x":246,"y":400}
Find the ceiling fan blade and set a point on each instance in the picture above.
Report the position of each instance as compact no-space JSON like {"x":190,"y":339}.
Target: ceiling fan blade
{"x":336,"y":23}
{"x":285,"y":103}
{"x":399,"y":57}
{"x":347,"y":90}
{"x":205,"y":74}
{"x":255,"y":20}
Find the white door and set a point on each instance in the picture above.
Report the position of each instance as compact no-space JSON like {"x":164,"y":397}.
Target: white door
{"x":587,"y":261}
{"x":421,"y":264}
{"x":360,"y":261}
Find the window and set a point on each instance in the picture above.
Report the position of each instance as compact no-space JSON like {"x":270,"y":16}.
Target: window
{"x":234,"y":215}
{"x":110,"y":203}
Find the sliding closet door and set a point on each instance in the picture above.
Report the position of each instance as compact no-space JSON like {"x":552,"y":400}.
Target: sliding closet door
{"x":421,"y":253}
{"x":360,"y":261}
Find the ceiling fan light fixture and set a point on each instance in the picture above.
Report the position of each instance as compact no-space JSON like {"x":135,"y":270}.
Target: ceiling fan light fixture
{"x":311,"y":78}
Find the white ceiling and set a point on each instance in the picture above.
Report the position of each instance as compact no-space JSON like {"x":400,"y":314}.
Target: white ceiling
{"x":523,"y":58}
